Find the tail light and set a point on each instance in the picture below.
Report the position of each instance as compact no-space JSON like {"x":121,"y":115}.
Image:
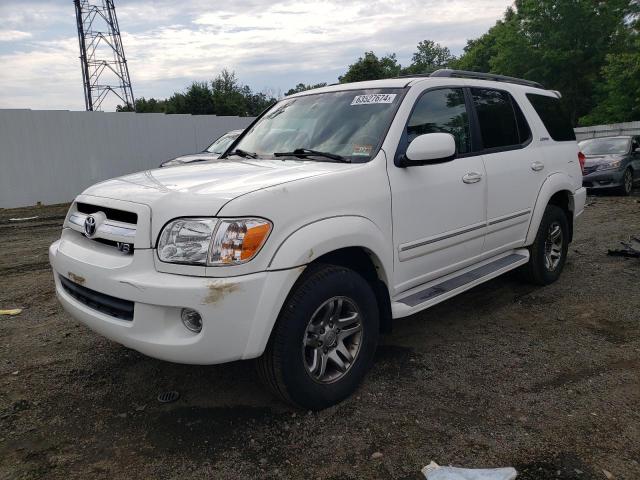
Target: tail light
{"x":582,"y":159}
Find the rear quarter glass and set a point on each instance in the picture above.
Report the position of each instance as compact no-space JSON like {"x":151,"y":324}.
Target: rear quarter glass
{"x":553,"y":116}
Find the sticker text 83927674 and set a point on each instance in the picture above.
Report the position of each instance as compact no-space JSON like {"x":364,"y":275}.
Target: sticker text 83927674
{"x":373,"y":98}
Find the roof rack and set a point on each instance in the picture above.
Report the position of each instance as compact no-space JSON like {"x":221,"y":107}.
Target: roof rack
{"x":414,"y":75}
{"x":445,"y":72}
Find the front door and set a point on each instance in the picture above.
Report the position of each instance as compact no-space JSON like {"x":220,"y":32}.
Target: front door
{"x":439,"y":217}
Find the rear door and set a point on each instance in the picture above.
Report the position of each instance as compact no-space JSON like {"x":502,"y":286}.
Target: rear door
{"x":557,"y":143}
{"x":515,"y":170}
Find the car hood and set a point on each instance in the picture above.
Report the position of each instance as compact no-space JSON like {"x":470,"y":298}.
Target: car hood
{"x":193,"y":157}
{"x":203,"y":188}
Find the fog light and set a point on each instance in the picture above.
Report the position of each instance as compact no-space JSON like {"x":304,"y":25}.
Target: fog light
{"x":191,"y":320}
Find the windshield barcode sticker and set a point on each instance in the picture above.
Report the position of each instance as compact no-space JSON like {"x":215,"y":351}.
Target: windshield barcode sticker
{"x":373,"y":99}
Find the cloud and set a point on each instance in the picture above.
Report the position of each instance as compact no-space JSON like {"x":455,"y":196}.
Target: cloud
{"x":28,"y":15}
{"x":270,"y":44}
{"x":45,"y":77}
{"x":13,"y":35}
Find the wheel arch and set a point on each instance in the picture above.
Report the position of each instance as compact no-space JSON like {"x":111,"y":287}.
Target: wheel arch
{"x":321,"y":237}
{"x":556,"y":190}
{"x":367,"y":264}
{"x":350,"y":241}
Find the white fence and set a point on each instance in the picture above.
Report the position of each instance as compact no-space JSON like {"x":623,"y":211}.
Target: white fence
{"x":631,"y":128}
{"x":51,"y":156}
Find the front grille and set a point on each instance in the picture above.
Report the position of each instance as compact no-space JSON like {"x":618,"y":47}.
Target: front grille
{"x":112,"y":306}
{"x":111,"y":213}
{"x":118,"y":229}
{"x":588,"y":170}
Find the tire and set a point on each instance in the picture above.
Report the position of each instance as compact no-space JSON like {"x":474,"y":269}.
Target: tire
{"x":304,"y":334}
{"x":543,"y":269}
{"x":627,"y":183}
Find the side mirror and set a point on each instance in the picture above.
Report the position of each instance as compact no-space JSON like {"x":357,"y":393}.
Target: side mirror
{"x":431,"y":148}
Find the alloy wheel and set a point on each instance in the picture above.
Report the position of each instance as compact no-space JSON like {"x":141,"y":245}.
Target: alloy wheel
{"x":332,"y":340}
{"x":628,"y":181}
{"x":553,"y":247}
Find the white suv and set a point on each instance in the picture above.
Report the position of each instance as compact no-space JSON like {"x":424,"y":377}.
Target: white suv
{"x":336,"y":211}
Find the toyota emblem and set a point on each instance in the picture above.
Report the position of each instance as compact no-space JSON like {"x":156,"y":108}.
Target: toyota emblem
{"x":90,"y":226}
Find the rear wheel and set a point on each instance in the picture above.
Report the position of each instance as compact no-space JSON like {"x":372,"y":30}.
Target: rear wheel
{"x":549,"y":249}
{"x":324,"y":340}
{"x":627,"y":183}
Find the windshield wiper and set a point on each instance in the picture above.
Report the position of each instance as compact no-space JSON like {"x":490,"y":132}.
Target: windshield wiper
{"x":243,"y":153}
{"x":305,"y":152}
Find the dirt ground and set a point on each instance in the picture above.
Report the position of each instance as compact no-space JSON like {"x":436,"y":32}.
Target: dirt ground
{"x":543,"y":379}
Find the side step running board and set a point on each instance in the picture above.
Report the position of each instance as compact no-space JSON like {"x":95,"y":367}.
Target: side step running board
{"x":441,"y":290}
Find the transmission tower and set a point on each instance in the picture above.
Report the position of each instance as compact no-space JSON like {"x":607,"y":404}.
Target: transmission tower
{"x":104,"y":66}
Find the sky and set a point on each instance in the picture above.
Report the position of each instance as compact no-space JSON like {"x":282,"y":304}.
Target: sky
{"x":271,"y":45}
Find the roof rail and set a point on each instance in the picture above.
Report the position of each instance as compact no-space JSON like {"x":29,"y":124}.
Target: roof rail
{"x":445,"y":72}
{"x":414,"y":75}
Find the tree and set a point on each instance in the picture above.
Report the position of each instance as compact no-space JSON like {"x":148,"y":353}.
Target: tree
{"x":430,"y":56}
{"x":224,"y":95}
{"x":619,"y":94}
{"x":479,"y":52}
{"x":301,"y":87}
{"x":370,"y":67}
{"x":560,"y":43}
{"x":198,"y":99}
{"x":142,"y":105}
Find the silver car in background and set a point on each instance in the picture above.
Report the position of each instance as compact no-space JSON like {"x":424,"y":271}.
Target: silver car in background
{"x":212,"y":152}
{"x":611,"y":163}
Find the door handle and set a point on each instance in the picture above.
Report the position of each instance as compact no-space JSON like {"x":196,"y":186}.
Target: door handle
{"x":472,"y":177}
{"x":537,"y":166}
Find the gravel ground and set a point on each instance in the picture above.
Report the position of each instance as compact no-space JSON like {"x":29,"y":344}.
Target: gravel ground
{"x":543,"y":379}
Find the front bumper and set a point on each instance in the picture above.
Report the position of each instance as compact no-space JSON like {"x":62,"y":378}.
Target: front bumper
{"x":603,"y":179}
{"x":238,"y":313}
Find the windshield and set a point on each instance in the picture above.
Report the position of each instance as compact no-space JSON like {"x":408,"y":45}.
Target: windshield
{"x":221,"y":144}
{"x":605,"y":146}
{"x":349,"y":123}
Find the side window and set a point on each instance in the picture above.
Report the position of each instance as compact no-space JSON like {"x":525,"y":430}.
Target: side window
{"x":552,"y":114}
{"x":442,"y":110}
{"x":502,"y":123}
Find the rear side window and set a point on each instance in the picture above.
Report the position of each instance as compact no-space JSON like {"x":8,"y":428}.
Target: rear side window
{"x":553,"y":116}
{"x":442,"y":110}
{"x":502,"y":123}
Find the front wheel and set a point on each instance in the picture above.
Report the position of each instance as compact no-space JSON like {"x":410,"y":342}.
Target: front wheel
{"x":549,"y":249}
{"x":627,"y":183}
{"x":324,"y":340}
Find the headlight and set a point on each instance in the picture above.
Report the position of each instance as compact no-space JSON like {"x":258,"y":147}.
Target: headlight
{"x":238,"y":240}
{"x":186,"y":240}
{"x":609,"y":165}
{"x":210,"y":241}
